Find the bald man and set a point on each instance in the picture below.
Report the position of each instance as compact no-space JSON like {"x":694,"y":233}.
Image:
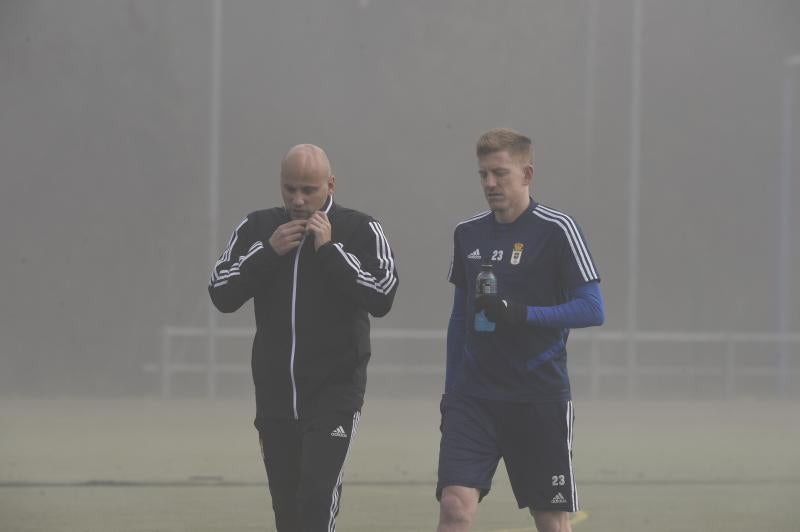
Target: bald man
{"x":316,"y":271}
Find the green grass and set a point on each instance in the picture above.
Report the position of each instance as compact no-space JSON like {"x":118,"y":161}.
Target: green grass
{"x":195,"y":466}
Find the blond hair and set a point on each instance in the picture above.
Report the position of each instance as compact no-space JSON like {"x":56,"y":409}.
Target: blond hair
{"x":504,"y":139}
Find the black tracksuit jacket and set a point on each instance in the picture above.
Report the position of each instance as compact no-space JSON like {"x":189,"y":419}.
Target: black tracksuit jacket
{"x":312,"y":345}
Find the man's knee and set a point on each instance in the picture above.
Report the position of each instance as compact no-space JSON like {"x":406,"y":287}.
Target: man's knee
{"x":458,"y":505}
{"x":315,"y":494}
{"x":551,"y":521}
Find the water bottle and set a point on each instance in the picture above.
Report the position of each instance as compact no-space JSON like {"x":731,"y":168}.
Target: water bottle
{"x":485,"y":284}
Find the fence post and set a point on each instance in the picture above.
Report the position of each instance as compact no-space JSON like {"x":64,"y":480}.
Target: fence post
{"x":211,"y":363}
{"x":632,"y":366}
{"x":166,"y":370}
{"x":593,"y":368}
{"x":730,"y":368}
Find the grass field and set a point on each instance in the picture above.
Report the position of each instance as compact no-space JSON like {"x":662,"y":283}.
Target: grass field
{"x":193,"y":465}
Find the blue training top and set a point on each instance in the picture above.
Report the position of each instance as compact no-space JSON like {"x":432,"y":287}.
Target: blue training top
{"x":541,"y":260}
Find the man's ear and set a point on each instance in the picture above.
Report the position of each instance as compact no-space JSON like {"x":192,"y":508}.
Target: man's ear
{"x":528,"y":174}
{"x":331,"y":184}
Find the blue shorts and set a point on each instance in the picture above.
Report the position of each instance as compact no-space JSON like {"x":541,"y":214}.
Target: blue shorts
{"x":534,"y":440}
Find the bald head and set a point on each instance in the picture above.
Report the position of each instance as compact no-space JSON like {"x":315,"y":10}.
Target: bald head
{"x":306,"y":180}
{"x":306,"y":159}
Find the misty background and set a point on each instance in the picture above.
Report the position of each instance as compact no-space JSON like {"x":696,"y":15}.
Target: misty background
{"x":669,"y":130}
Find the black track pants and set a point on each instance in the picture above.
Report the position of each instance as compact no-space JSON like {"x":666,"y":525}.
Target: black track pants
{"x":305,"y":462}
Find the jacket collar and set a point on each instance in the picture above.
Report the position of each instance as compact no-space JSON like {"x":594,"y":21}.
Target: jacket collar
{"x":328,"y":206}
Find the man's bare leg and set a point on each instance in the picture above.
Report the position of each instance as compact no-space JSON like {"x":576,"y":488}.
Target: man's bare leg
{"x":551,"y":521}
{"x":457,"y":508}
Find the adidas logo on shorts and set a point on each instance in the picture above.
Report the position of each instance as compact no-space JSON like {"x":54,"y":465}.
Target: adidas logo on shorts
{"x":339,"y":432}
{"x":475,"y":254}
{"x":558,"y":499}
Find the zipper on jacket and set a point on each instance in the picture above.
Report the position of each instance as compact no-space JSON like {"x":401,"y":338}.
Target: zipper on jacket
{"x":294,"y":330}
{"x":326,"y":210}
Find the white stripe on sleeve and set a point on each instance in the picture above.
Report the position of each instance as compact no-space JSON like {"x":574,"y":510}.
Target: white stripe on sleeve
{"x":581,"y":254}
{"x":385,"y":261}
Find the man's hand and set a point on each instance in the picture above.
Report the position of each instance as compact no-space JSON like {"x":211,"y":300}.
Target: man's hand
{"x":288,"y":236}
{"x":502,"y":311}
{"x":320,"y":227}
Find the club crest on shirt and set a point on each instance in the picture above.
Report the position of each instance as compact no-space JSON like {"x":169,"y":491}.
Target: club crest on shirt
{"x":516,"y":254}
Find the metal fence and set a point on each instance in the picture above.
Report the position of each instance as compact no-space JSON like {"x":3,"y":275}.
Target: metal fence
{"x":609,"y":363}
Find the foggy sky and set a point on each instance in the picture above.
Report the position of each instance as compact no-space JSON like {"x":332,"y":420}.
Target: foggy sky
{"x":106,"y":132}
